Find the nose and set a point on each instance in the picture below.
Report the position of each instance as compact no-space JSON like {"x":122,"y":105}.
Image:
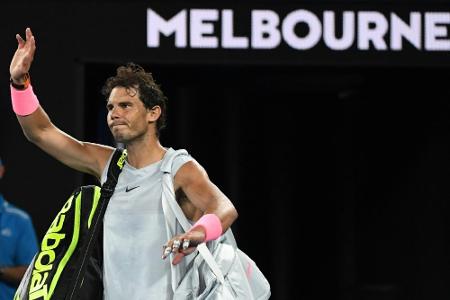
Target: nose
{"x":114,"y":113}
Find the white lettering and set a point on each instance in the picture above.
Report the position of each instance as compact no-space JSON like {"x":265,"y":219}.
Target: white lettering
{"x":348,"y":30}
{"x":302,"y":30}
{"x":436,"y":34}
{"x":400,"y":30}
{"x":375,"y":34}
{"x":200,"y":27}
{"x":301,"y":16}
{"x":228,"y":38}
{"x":157,"y":25}
{"x":265,"y":32}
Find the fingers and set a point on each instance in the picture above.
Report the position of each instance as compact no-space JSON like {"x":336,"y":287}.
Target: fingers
{"x":28,"y":33}
{"x":178,"y":258}
{"x":23,"y":57}
{"x":186,"y":243}
{"x":171,"y":247}
{"x":166,"y":251}
{"x":179,"y":246}
{"x":20,"y":40}
{"x":32,"y":42}
{"x":29,"y":40}
{"x":176,"y":245}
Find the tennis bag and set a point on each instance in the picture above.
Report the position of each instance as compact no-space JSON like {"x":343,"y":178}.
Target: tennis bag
{"x":219,"y":270}
{"x":68,"y":264}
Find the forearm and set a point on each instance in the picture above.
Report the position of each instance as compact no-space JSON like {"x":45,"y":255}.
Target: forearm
{"x":35,"y":125}
{"x":217,"y":203}
{"x":12,"y":275}
{"x":226,"y":213}
{"x":218,"y":217}
{"x":205,"y":195}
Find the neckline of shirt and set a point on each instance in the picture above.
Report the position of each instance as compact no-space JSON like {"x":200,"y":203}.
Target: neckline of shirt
{"x":150,"y":166}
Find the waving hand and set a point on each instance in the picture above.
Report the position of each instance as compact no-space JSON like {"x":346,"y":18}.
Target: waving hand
{"x":22,"y":59}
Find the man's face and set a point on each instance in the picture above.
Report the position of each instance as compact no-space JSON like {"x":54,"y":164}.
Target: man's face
{"x":128,"y":119}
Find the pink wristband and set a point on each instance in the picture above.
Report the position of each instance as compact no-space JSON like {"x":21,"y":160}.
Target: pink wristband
{"x":212,"y":225}
{"x":24,"y":102}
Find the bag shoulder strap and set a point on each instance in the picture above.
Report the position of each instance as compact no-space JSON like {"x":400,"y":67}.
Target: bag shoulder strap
{"x":106,"y":191}
{"x":114,"y":169}
{"x":171,"y":154}
{"x":169,"y":195}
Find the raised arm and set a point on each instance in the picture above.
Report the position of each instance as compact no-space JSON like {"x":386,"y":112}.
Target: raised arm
{"x":36,"y":125}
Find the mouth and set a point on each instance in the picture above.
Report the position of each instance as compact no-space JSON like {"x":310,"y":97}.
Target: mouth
{"x":115,"y":125}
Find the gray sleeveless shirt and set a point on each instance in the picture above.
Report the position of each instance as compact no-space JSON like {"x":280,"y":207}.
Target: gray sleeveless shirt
{"x":134,"y":233}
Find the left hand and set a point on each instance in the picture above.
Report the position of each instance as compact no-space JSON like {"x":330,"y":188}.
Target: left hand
{"x":183,"y":244}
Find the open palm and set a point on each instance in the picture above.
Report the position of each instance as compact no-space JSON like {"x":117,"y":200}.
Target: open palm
{"x":22,"y":59}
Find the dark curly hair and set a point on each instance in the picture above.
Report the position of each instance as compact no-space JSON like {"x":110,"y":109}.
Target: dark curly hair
{"x":134,"y":76}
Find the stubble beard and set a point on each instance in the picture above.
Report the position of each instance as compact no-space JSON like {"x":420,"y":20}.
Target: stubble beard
{"x":127,"y":139}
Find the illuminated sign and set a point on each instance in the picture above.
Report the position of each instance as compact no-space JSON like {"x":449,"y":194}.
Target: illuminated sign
{"x":351,"y":29}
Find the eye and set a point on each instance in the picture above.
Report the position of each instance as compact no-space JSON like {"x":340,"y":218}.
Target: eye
{"x":109,"y":107}
{"x":125,"y":105}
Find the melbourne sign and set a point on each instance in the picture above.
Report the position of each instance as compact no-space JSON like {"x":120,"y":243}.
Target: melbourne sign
{"x":304,"y":35}
{"x":365,"y":30}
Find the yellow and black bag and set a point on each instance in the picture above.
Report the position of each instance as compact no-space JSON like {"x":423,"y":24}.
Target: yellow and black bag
{"x":68,"y":264}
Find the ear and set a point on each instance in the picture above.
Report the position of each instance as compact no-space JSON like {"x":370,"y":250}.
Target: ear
{"x":153,"y":113}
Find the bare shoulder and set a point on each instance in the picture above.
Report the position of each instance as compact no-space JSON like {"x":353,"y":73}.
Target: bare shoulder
{"x":189,"y":173}
{"x":99,"y":156}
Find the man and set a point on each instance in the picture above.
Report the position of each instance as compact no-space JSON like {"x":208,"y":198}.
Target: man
{"x":134,"y":224}
{"x":18,"y":245}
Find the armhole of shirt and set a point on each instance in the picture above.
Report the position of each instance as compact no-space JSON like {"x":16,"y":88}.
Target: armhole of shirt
{"x":105,"y":170}
{"x":178,"y":162}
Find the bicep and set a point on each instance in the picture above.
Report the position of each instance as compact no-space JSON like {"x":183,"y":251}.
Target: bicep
{"x":199,"y":189}
{"x":205,"y":195}
{"x":85,"y":157}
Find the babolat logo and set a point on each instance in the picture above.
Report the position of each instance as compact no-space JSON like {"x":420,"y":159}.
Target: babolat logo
{"x":122,"y":158}
{"x":39,"y":287}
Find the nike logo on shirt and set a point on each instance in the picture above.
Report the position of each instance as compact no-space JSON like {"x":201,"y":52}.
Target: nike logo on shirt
{"x":130,"y":189}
